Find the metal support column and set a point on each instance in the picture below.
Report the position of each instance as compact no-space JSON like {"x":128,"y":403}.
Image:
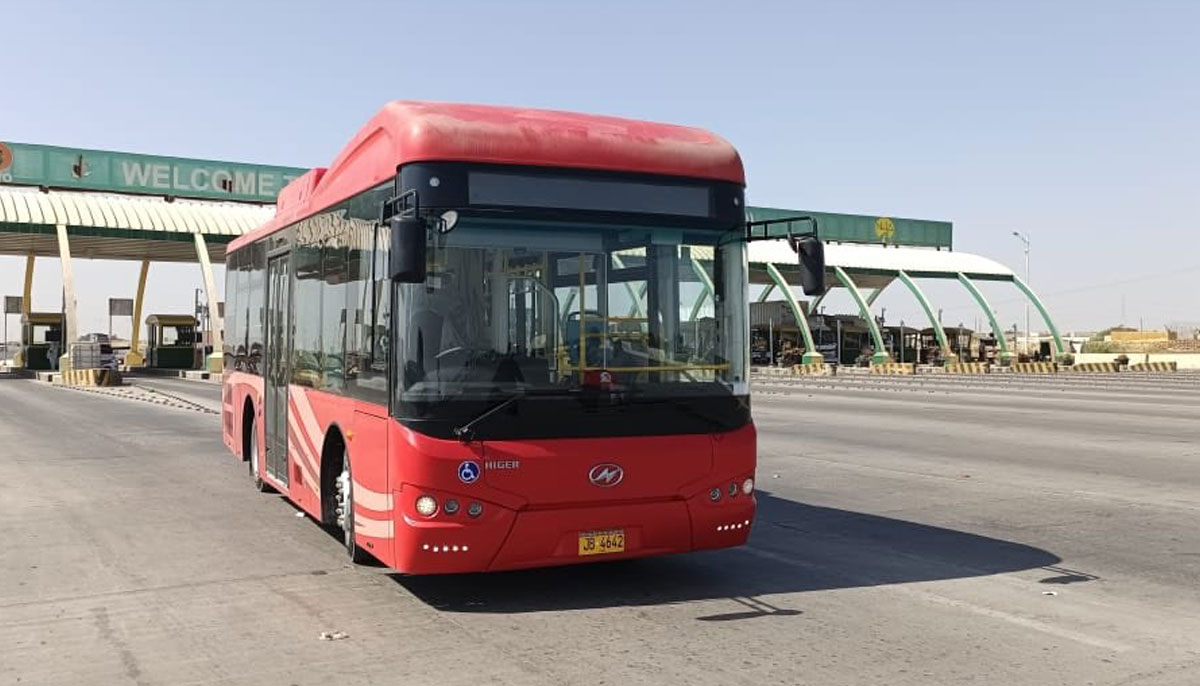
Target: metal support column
{"x":947,"y":353}
{"x":566,"y":305}
{"x":216,"y":360}
{"x":635,"y":307}
{"x":134,"y":357}
{"x":26,"y":308}
{"x":1005,"y":354}
{"x":812,"y":306}
{"x":27,"y":294}
{"x":1037,"y":302}
{"x":876,"y":293}
{"x":706,"y":292}
{"x":71,"y":325}
{"x":811,"y":356}
{"x":864,"y":310}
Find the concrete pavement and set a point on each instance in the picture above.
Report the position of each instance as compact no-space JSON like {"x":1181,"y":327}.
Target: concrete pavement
{"x":910,"y":532}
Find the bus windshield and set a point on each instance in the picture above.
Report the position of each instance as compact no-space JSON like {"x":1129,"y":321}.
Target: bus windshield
{"x":513,"y":307}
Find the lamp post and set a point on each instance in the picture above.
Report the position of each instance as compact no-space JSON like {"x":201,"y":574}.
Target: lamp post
{"x":1024,"y":237}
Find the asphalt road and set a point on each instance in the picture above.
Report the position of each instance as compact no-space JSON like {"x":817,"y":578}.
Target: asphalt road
{"x":911,"y":532}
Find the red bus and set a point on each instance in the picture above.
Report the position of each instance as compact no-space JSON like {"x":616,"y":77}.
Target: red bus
{"x":493,"y":338}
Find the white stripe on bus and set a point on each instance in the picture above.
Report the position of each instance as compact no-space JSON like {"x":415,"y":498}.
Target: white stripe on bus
{"x":375,"y":528}
{"x":372,"y":500}
{"x":307,"y":420}
{"x":301,"y":431}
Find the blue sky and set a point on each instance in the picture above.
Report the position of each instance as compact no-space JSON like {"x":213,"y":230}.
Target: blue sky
{"x":1073,"y":121}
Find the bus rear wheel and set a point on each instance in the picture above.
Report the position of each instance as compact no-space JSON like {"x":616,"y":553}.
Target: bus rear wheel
{"x":252,"y":451}
{"x":345,"y":513}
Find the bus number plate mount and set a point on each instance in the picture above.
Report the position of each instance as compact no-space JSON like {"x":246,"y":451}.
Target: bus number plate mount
{"x":601,"y":542}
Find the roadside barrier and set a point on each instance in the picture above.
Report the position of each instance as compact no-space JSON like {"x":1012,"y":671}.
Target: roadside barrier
{"x":1034,"y":367}
{"x":1154,"y":367}
{"x":966,"y":368}
{"x":1095,"y":367}
{"x":772,"y":371}
{"x":90,"y":377}
{"x":811,"y":369}
{"x":894,"y":368}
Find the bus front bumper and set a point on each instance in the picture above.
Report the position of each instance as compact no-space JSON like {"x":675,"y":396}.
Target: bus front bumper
{"x":502,"y":539}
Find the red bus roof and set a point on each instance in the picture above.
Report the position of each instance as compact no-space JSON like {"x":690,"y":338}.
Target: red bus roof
{"x":407,"y":131}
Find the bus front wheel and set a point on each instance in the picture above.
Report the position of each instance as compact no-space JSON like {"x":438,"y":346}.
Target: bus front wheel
{"x":345,"y":512}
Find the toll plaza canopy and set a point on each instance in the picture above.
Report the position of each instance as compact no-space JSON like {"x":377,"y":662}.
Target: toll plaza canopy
{"x":870,"y":253}
{"x":120,"y":227}
{"x":60,"y":202}
{"x":108,"y":205}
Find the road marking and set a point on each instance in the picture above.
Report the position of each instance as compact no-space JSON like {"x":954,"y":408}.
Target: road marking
{"x":938,"y":599}
{"x":1069,"y":634}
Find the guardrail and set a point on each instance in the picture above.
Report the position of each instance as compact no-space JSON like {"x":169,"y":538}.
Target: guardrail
{"x":1154,"y":367}
{"x":966,"y":368}
{"x":1034,"y":368}
{"x":894,"y":368}
{"x":89,"y":377}
{"x":1095,"y":367}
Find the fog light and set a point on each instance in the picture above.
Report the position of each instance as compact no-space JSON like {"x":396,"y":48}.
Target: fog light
{"x":426,"y":505}
{"x":748,"y":486}
{"x":475,"y":509}
{"x":450,"y":506}
{"x":714,"y":495}
{"x":733,"y":489}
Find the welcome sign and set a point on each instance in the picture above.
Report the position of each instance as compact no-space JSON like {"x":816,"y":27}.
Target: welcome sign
{"x":100,"y":170}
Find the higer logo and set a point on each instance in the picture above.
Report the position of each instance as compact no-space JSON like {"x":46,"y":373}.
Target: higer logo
{"x":606,"y":475}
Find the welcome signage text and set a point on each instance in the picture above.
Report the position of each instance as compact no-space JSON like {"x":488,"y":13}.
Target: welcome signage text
{"x":99,"y":170}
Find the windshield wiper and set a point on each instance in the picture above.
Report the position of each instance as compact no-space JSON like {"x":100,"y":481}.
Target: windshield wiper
{"x":466,"y":432}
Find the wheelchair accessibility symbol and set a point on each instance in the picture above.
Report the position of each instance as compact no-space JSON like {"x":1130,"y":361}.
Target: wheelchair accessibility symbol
{"x":468,"y":472}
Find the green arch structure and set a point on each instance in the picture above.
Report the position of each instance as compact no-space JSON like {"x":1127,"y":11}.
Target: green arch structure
{"x":864,"y":310}
{"x":810,"y":356}
{"x":1005,"y":353}
{"x":947,"y":353}
{"x":865,"y":304}
{"x":1037,"y":302}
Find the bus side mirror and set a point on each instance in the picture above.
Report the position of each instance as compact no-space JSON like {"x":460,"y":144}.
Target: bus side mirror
{"x":406,"y":263}
{"x":811,"y":252}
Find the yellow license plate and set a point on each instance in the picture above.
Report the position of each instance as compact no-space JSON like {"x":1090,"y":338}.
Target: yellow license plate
{"x":602,"y":542}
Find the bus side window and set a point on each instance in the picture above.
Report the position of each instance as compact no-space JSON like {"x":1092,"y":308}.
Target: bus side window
{"x":368,"y":298}
{"x":256,"y":303}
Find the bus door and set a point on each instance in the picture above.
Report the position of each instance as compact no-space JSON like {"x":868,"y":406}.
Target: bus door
{"x":277,"y":368}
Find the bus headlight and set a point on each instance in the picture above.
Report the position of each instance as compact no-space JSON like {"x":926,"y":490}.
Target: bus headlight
{"x":450,"y":506}
{"x":748,"y":486}
{"x":426,"y":505}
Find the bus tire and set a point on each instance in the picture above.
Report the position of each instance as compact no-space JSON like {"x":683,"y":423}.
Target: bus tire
{"x":345,"y":513}
{"x":252,"y":457}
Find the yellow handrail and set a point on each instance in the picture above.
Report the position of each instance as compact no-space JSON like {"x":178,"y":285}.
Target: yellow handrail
{"x":670,"y":368}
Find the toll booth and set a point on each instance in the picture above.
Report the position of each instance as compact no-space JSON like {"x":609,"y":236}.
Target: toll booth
{"x":842,"y":338}
{"x":903,"y":343}
{"x":960,"y":339}
{"x":41,"y":339}
{"x":171,"y":341}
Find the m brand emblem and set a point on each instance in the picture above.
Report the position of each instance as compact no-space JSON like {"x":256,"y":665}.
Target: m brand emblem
{"x":606,"y":475}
